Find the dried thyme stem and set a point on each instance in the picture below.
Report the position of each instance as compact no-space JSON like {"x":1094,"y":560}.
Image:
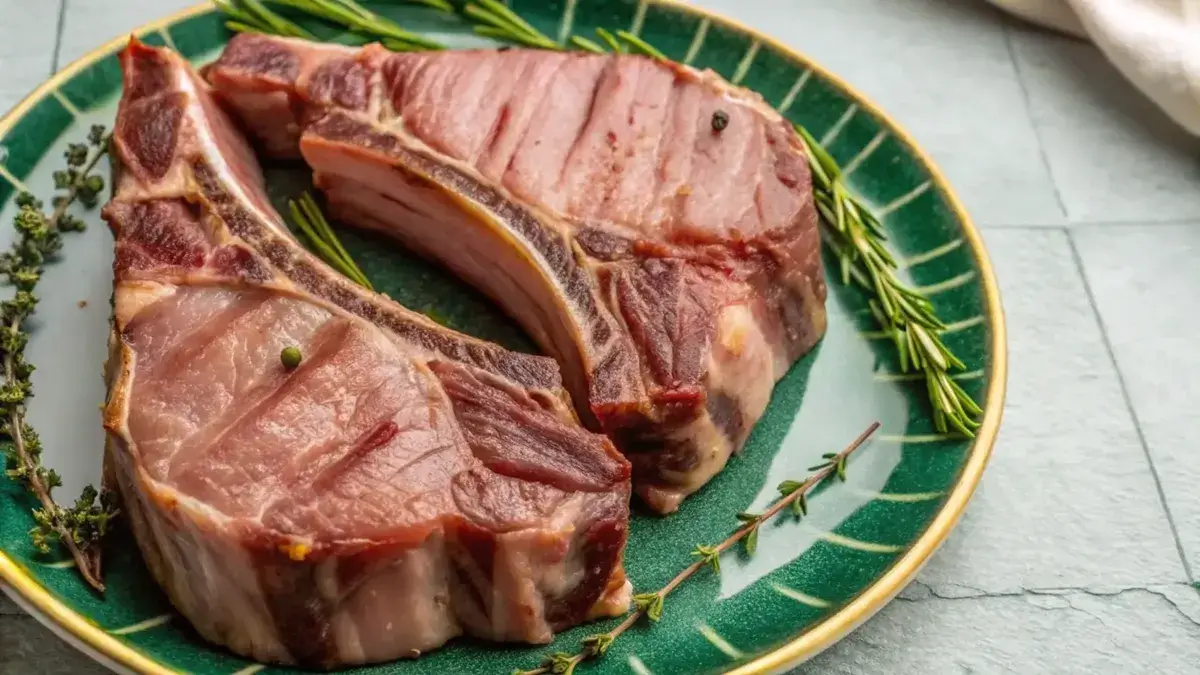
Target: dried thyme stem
{"x":650,"y":604}
{"x":79,"y":529}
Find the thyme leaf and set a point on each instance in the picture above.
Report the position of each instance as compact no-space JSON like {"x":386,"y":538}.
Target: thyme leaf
{"x":709,"y":555}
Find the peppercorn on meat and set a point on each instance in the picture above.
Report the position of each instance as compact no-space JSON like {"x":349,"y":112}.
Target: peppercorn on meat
{"x":314,"y":474}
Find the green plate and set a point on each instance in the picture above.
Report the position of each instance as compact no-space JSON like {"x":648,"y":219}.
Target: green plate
{"x":809,"y":583}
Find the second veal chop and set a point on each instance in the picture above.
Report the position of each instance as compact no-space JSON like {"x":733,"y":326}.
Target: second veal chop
{"x":651,"y":226}
{"x":403,"y":485}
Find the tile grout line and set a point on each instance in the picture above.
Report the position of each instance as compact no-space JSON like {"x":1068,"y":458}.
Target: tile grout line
{"x":1137,"y":423}
{"x":58,"y":33}
{"x":1136,"y":223}
{"x":1016,"y":64}
{"x":1086,"y":225}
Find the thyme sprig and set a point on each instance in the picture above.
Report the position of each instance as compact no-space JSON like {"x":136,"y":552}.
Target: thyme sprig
{"x":324,"y":241}
{"x":852,"y":232}
{"x":907,"y":316}
{"x":80,"y":528}
{"x":650,"y":605}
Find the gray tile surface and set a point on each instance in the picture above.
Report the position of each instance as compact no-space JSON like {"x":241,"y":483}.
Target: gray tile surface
{"x":1066,"y":561}
{"x":1113,"y":155}
{"x":1155,"y":630}
{"x":27,"y":648}
{"x":1068,"y":449}
{"x":920,"y":59}
{"x":1146,"y":281}
{"x":26,"y":49}
{"x":88,"y":24}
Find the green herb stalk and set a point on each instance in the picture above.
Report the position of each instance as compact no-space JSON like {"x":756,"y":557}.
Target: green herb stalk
{"x":80,"y":529}
{"x":650,"y":605}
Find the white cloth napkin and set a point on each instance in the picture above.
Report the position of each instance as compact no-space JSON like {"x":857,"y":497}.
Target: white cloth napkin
{"x":1154,"y":43}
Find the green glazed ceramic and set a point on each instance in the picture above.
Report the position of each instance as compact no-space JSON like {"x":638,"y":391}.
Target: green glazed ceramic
{"x":809,"y":583}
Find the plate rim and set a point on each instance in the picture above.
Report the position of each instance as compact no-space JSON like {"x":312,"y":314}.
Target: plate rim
{"x":100,"y":646}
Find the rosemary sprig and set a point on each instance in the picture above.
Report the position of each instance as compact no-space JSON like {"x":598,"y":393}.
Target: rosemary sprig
{"x":251,"y":16}
{"x":81,"y":528}
{"x":650,"y":605}
{"x":359,"y":19}
{"x":254,"y":16}
{"x":308,"y":217}
{"x":857,"y":239}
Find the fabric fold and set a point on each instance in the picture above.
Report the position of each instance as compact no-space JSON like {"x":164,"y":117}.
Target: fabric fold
{"x":1153,"y":43}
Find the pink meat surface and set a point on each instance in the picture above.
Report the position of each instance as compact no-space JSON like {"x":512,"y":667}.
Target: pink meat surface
{"x":403,"y":485}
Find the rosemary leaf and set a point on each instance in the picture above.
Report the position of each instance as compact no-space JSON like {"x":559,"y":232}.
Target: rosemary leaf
{"x":587,"y":45}
{"x":610,"y":40}
{"x":277,"y":24}
{"x":322,"y":227}
{"x":239,"y":27}
{"x":316,"y":229}
{"x":641,"y":45}
{"x":502,"y":10}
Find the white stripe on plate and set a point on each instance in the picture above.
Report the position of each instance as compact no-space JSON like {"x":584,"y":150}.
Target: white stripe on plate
{"x":916,"y":439}
{"x":947,"y":284}
{"x":568,"y":21}
{"x":931,"y":254}
{"x":902,"y":497}
{"x":962,"y":325}
{"x":66,"y":103}
{"x":795,"y":91}
{"x":142,"y":625}
{"x":803,"y":598}
{"x":639,"y":18}
{"x":863,"y":154}
{"x":839,"y":125}
{"x":717,"y":641}
{"x":697,"y":41}
{"x":903,"y":200}
{"x":636,"y":665}
{"x":13,"y":180}
{"x":745,"y":63}
{"x":166,"y":36}
{"x":859,"y":545}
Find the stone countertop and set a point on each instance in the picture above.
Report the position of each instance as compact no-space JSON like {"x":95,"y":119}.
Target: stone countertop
{"x":1077,"y":553}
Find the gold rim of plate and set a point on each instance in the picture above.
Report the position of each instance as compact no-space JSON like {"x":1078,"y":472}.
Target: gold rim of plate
{"x":812,"y":642}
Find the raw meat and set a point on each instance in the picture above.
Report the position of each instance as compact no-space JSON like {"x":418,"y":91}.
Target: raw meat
{"x":670,"y":266}
{"x":403,"y":485}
